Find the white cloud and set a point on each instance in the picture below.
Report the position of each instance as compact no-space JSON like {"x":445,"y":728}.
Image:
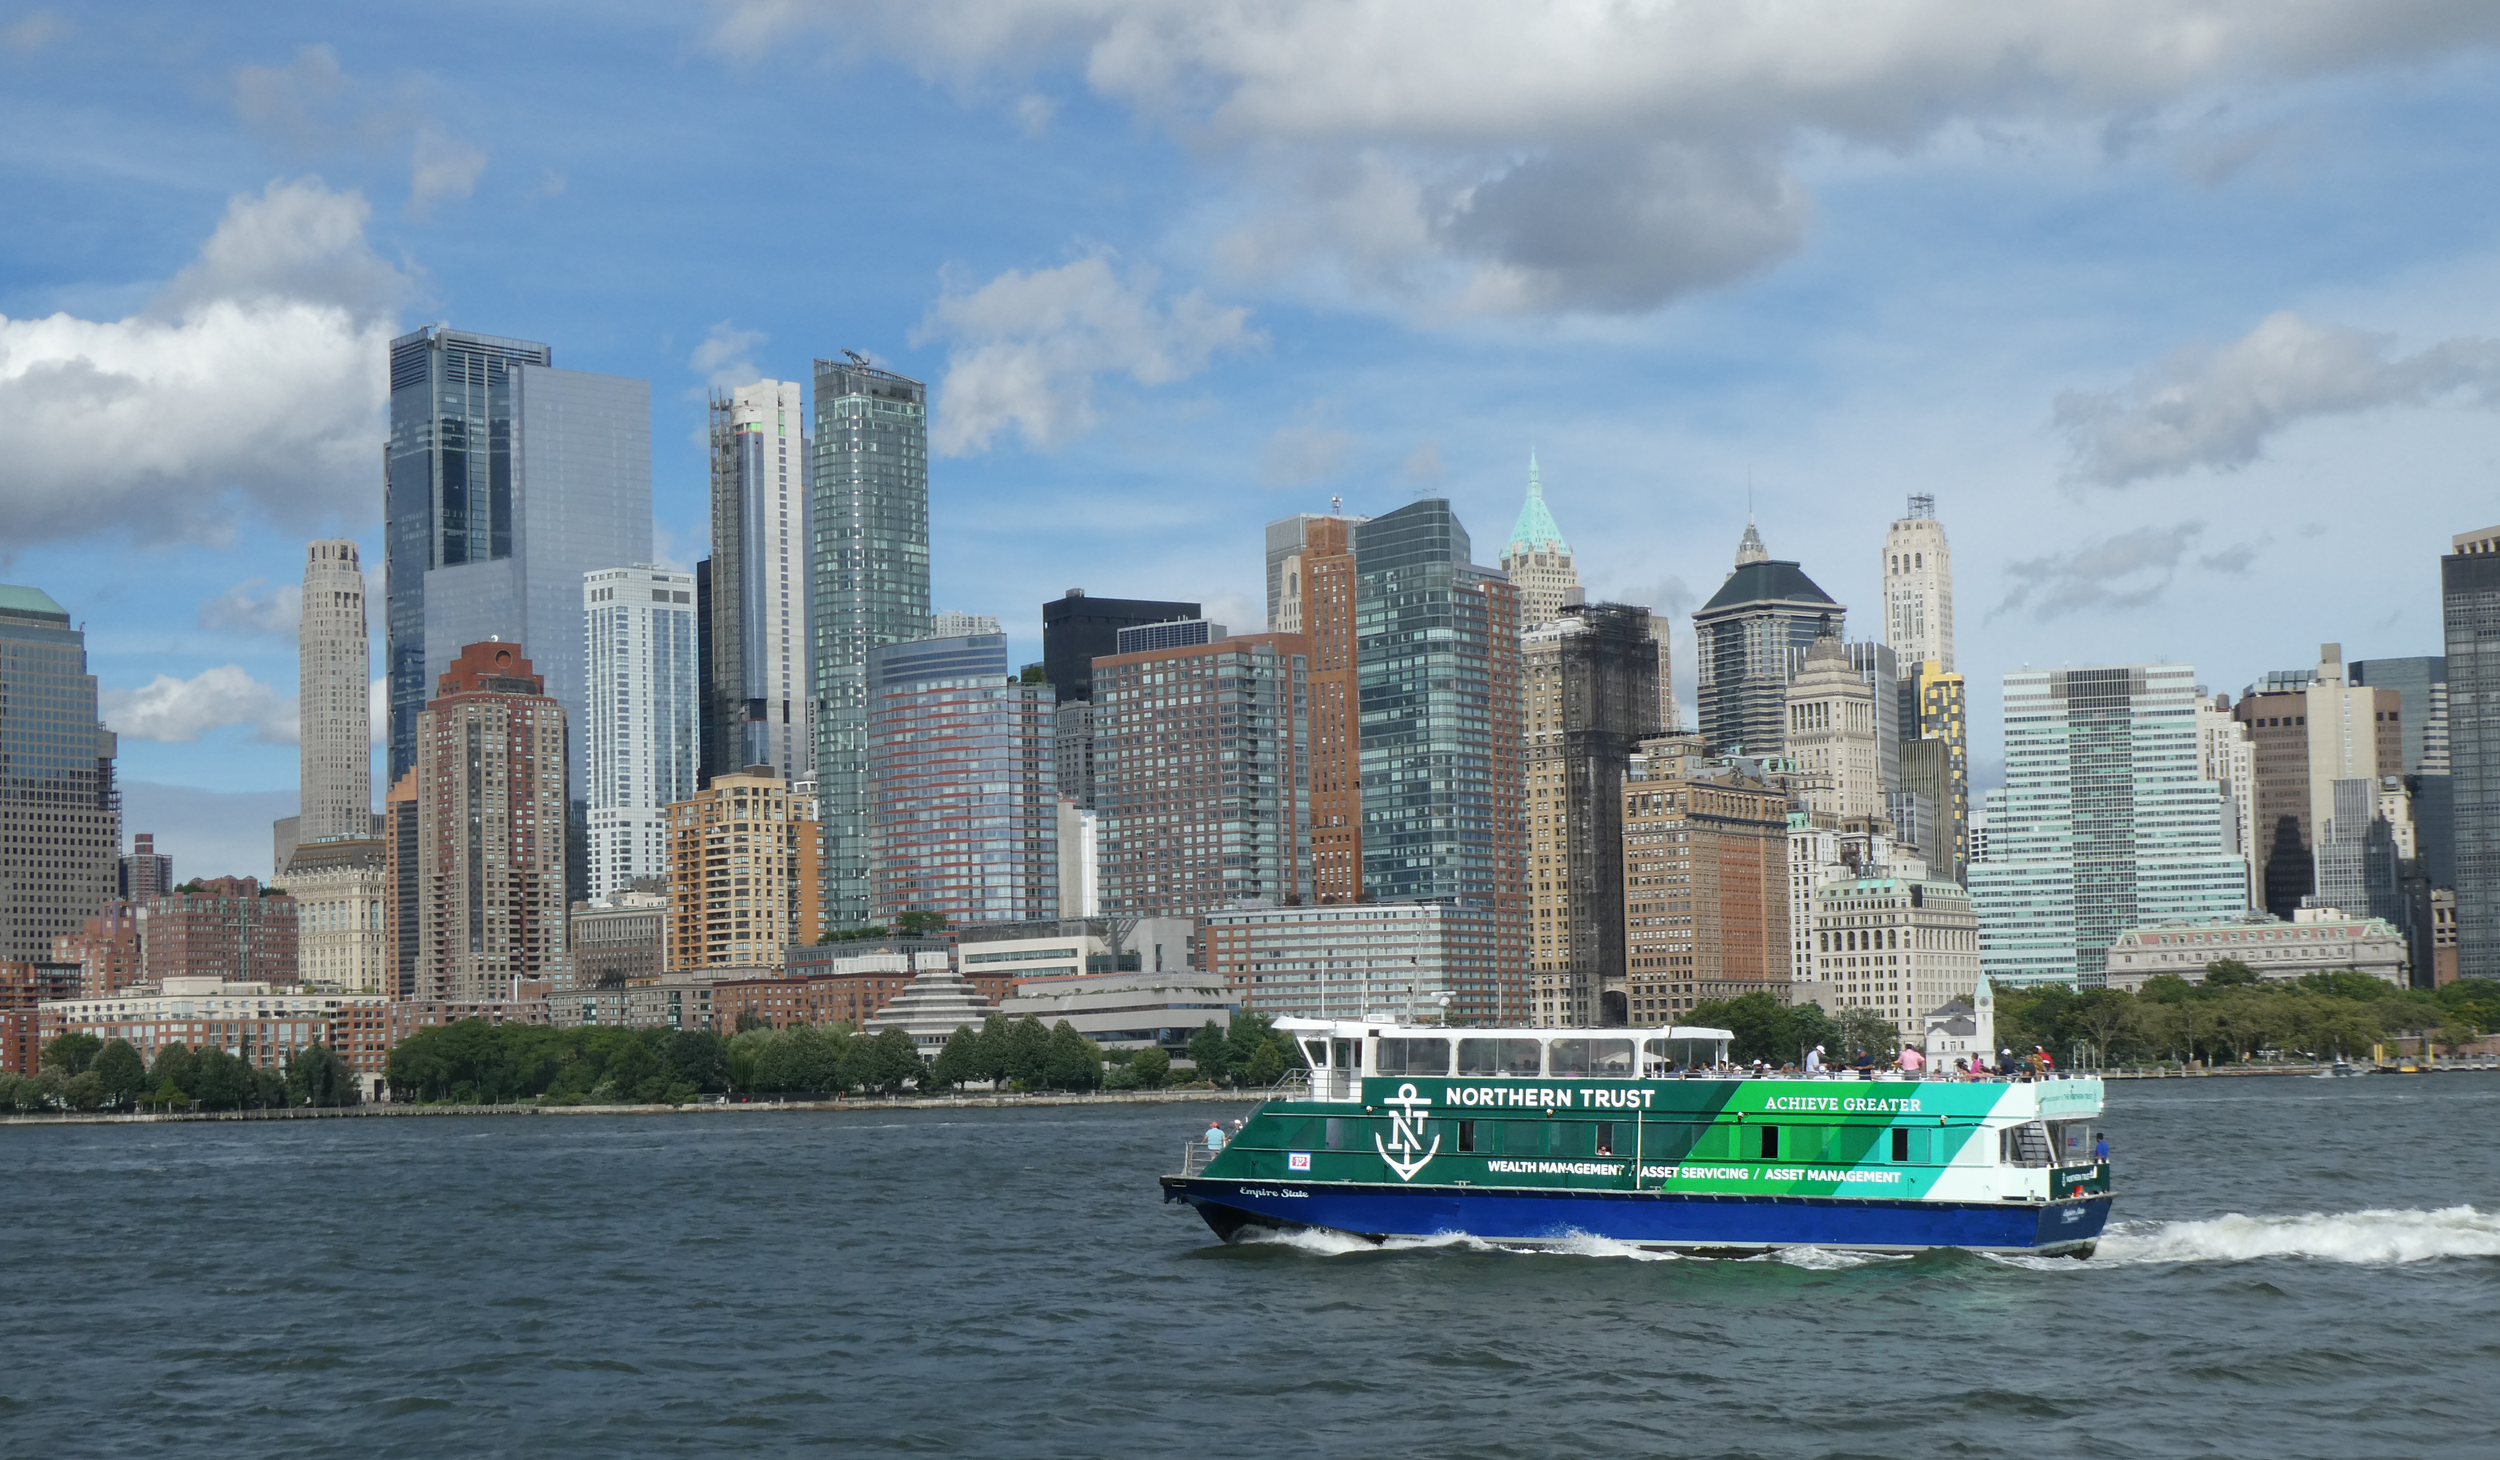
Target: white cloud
{"x":243,"y":609}
{"x":257,"y":376}
{"x":179,"y":711}
{"x":1028,"y":346}
{"x":2128,"y":570}
{"x":441,"y":167}
{"x":2216,"y":408}
{"x":1585,"y":154}
{"x":723,"y":356}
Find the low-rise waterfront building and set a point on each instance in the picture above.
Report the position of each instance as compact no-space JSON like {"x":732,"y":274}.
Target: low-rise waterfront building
{"x":684,"y":1001}
{"x":106,"y":951}
{"x":261,"y":1025}
{"x":25,"y":986}
{"x":937,"y":1002}
{"x":1135,"y":1010}
{"x":1392,"y":960}
{"x":2317,"y":940}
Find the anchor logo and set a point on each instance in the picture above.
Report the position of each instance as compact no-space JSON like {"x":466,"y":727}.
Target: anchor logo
{"x":1406,"y":1134}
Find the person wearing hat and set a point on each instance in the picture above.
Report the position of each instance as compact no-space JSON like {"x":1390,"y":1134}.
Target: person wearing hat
{"x":1814,"y":1060}
{"x":1215,"y":1137}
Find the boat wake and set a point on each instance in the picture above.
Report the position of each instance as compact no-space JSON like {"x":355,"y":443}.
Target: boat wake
{"x":2376,"y":1237}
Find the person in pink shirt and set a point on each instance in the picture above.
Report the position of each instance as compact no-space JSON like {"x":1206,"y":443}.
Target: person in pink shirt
{"x":1911,"y":1060}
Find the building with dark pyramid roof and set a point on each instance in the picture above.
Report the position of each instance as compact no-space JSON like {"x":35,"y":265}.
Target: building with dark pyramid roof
{"x":1750,"y":638}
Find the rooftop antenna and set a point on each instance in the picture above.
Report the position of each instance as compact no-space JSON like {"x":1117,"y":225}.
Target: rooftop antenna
{"x":1336,"y":506}
{"x":856,"y":357}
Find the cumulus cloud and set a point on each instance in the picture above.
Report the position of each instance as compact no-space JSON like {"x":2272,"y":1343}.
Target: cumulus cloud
{"x":1585,"y":156}
{"x":723,"y":356}
{"x":255,"y":379}
{"x":2128,"y":570}
{"x":1028,"y":347}
{"x":300,"y":103}
{"x":245,"y":609}
{"x":2217,"y":407}
{"x":179,"y":711}
{"x":1423,"y":464}
{"x":442,"y":166}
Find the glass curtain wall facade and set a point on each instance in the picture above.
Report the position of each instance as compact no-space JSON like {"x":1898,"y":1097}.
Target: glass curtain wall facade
{"x":2103,"y":823}
{"x":60,"y":815}
{"x":448,"y":490}
{"x":868,"y":557}
{"x":2469,"y":582}
{"x":964,"y":785}
{"x":1202,"y":775}
{"x":757,"y":685}
{"x":1442,"y":727}
{"x":644,"y":730}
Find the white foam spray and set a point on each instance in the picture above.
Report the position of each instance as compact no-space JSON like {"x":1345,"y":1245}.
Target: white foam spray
{"x":2376,"y":1236}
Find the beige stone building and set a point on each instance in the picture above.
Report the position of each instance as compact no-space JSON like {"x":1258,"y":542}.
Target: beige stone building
{"x":340,"y":888}
{"x":744,"y":863}
{"x":1705,"y":883}
{"x":1831,"y":736}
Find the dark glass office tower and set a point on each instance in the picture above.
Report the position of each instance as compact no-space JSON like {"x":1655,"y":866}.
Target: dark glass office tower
{"x":447,"y":492}
{"x":507,"y":481}
{"x":1437,"y":654}
{"x":2469,"y":582}
{"x":868,"y":566}
{"x":1750,"y":637}
{"x":60,"y":816}
{"x":1077,"y":630}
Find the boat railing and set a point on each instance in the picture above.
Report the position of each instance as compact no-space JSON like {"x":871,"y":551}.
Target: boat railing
{"x":1194,"y":1157}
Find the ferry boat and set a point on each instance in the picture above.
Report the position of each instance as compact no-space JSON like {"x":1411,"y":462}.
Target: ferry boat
{"x":1647,"y":1137}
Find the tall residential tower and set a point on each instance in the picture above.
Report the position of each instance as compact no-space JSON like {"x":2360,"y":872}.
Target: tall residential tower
{"x":868,"y":561}
{"x":757,"y":683}
{"x":644,"y":729}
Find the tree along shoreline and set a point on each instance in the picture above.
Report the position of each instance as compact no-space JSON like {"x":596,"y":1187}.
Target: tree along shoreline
{"x":1001,"y":1100}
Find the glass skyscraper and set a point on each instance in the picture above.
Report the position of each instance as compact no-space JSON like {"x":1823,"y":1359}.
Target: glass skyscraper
{"x":1750,"y":639}
{"x":756,"y":698}
{"x":964,"y":797}
{"x":868,"y":561}
{"x":1438,"y":668}
{"x":2102,"y":824}
{"x":508,"y":480}
{"x":60,"y":816}
{"x":2469,"y":584}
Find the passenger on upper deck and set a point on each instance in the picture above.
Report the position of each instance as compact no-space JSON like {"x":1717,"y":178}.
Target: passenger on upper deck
{"x":1814,"y":1060}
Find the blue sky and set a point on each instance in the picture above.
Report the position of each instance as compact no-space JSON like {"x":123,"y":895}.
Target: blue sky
{"x":2184,"y":309}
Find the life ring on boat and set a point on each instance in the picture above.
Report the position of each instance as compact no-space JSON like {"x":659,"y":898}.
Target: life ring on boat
{"x":2078,"y":1191}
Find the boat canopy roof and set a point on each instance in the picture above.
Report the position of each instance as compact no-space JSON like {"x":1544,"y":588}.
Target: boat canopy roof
{"x":1391,"y":1029}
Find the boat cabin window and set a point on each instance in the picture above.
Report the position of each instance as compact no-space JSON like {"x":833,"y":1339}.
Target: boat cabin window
{"x":1900,"y":1143}
{"x":1466,"y":1135}
{"x":1316,"y":1051}
{"x":1411,"y":1057}
{"x":1340,"y":1133}
{"x":1522,"y":1057}
{"x":2072,"y":1141}
{"x":1605,"y":1138}
{"x":2023,"y":1145}
{"x":1603,"y":1059}
{"x":1770,"y":1143}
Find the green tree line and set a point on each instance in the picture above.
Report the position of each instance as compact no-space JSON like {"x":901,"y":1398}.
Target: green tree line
{"x":2234,"y":1014}
{"x":81,"y":1072}
{"x":2229,"y":1017}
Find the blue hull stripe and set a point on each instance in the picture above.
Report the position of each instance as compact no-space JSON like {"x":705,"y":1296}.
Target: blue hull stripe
{"x":1653,"y":1219}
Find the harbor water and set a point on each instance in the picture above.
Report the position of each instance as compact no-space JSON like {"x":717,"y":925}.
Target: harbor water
{"x":2296,"y":1268}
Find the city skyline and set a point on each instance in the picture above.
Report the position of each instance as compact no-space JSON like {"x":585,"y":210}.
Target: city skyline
{"x":1845,"y":363}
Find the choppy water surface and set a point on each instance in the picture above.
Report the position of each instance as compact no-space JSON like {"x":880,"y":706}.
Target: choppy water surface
{"x":2301,"y":1268}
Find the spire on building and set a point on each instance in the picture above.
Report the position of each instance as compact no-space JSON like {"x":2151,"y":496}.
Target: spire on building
{"x":1749,"y":548}
{"x":1536,"y":530}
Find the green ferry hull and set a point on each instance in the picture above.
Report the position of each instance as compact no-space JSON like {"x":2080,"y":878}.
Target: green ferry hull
{"x":1695,"y":1223}
{"x":1741,"y":1165}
